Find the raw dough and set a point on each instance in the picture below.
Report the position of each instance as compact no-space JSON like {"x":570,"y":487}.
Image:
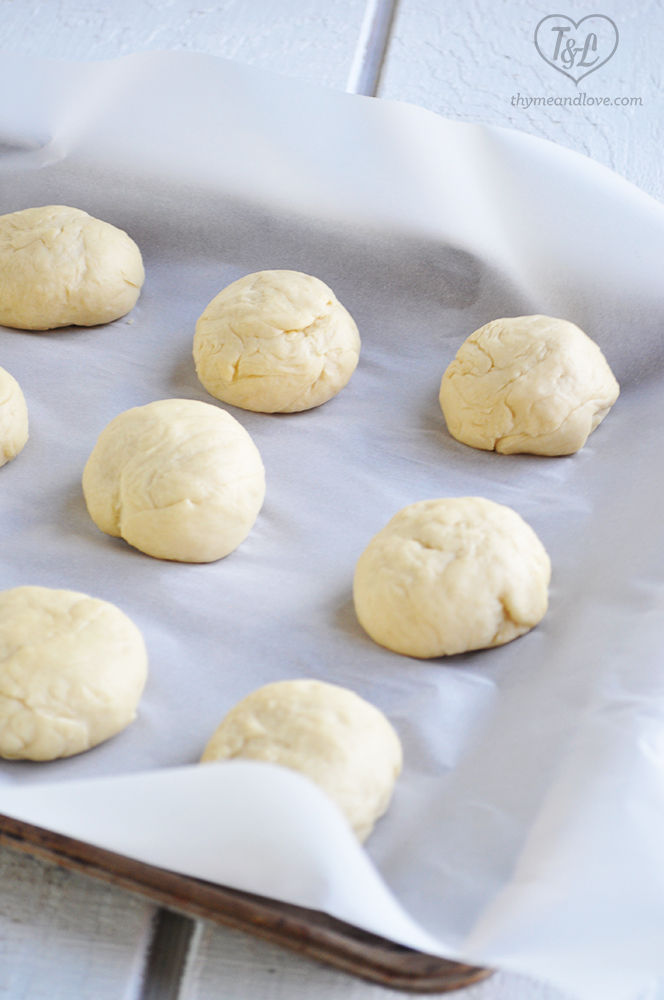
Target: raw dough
{"x":337,"y":739}
{"x":529,"y":384}
{"x":72,"y":670}
{"x":13,"y":417}
{"x":446,"y":576}
{"x":61,"y":267}
{"x":177,"y":479}
{"x":276,"y":342}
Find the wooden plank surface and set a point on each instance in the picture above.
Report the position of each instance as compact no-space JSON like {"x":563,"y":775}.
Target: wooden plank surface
{"x":65,"y":937}
{"x":226,"y":965}
{"x":313,"y":40}
{"x":471,"y":61}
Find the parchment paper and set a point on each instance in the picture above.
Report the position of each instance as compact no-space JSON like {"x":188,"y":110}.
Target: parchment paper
{"x":527,"y":830}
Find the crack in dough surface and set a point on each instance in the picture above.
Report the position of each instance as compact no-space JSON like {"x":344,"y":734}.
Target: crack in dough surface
{"x":527,"y":384}
{"x":451,"y":575}
{"x":72,"y":671}
{"x":177,"y":479}
{"x":276,"y":342}
{"x":339,"y":740}
{"x":60,"y":266}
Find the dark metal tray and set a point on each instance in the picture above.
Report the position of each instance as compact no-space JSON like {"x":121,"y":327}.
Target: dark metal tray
{"x":309,"y":932}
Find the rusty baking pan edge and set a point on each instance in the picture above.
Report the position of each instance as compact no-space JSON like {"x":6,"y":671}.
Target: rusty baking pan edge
{"x":308,"y":932}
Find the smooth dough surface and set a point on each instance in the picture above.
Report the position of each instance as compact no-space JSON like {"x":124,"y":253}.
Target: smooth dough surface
{"x":177,"y":479}
{"x":276,"y":342}
{"x":60,"y":266}
{"x":450,"y":575}
{"x":343,"y":743}
{"x":13,"y":417}
{"x":527,"y":384}
{"x":72,"y":671}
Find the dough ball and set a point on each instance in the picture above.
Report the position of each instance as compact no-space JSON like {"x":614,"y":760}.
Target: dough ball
{"x":337,"y":739}
{"x":13,"y":417}
{"x":276,"y":342}
{"x":446,"y":576}
{"x":72,"y":671}
{"x":177,"y":479}
{"x":528,"y":384}
{"x":61,"y":267}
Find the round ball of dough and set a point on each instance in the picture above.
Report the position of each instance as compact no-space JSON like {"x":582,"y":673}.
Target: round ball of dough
{"x":61,"y":267}
{"x":337,"y":739}
{"x":13,"y":417}
{"x":177,"y":479}
{"x":276,"y":342}
{"x":529,"y":384}
{"x":451,"y":575}
{"x":72,"y":671}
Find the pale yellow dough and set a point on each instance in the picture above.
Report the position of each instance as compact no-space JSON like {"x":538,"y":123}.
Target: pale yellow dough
{"x":72,"y":671}
{"x":446,"y":576}
{"x":61,"y":267}
{"x":13,"y":417}
{"x":528,"y":384}
{"x":276,"y":342}
{"x":343,"y":743}
{"x":177,"y":479}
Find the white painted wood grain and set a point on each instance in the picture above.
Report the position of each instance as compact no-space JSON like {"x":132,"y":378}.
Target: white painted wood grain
{"x":227,"y":965}
{"x":64,"y":936}
{"x":314,"y":40}
{"x":468,"y":60}
{"x":371,"y":47}
{"x":231,"y":966}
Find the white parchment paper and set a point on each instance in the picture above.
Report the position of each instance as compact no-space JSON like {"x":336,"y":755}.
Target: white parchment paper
{"x":527,"y":830}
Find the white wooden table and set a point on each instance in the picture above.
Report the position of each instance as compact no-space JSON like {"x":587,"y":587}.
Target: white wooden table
{"x":66,"y":937}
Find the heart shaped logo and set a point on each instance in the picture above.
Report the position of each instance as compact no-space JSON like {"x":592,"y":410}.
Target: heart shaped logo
{"x":576,"y":48}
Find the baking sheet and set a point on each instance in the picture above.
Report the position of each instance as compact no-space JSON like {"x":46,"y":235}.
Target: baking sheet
{"x":526,"y":831}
